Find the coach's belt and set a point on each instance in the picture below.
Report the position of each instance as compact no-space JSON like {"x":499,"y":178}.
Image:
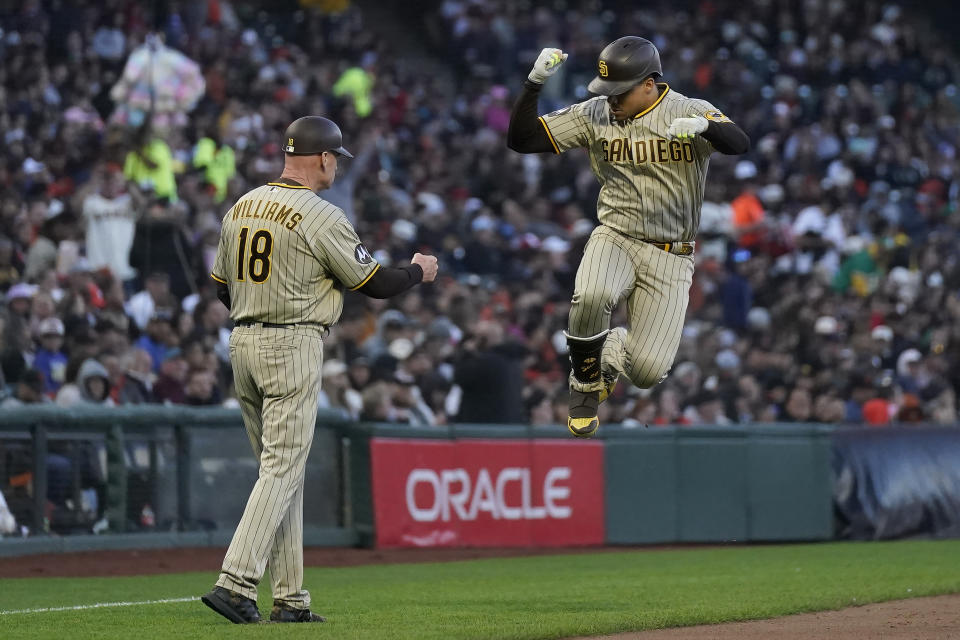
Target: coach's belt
{"x":678,"y":248}
{"x":274,"y":325}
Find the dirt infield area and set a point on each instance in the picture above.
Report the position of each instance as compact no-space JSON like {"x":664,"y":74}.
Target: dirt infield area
{"x":915,"y":619}
{"x":936,"y":618}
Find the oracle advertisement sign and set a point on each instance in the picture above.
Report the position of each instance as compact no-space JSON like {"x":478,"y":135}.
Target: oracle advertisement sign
{"x":487,"y":493}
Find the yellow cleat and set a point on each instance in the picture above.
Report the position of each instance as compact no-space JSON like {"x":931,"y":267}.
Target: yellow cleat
{"x":608,"y":387}
{"x":583,"y":427}
{"x":582,"y":421}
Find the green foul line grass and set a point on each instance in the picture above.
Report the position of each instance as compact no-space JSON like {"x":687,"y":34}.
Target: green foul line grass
{"x":536,"y":597}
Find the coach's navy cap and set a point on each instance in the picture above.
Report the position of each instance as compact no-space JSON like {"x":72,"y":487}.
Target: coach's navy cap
{"x":311,"y":135}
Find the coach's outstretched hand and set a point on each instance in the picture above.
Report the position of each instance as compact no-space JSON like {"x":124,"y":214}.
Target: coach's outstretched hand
{"x":428,"y":264}
{"x":546,"y":65}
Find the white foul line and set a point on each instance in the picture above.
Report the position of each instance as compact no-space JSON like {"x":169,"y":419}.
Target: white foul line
{"x":99,"y":605}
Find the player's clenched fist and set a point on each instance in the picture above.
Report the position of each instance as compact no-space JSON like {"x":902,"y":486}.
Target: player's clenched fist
{"x":687,"y":127}
{"x":428,"y":264}
{"x":546,"y":65}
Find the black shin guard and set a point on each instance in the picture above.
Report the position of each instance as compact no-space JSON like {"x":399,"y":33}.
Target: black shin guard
{"x":585,"y":357}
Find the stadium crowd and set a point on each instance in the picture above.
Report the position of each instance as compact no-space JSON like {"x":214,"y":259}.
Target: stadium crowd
{"x":827,"y":287}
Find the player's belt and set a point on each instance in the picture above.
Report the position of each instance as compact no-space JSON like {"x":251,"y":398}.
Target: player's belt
{"x":274,"y":325}
{"x":678,"y":248}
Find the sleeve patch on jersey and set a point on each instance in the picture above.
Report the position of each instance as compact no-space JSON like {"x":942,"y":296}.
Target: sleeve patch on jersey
{"x":362,"y":255}
{"x":716,"y":116}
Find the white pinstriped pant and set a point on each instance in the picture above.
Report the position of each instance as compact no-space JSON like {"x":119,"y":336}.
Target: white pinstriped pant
{"x":277,"y":378}
{"x":656,"y":285}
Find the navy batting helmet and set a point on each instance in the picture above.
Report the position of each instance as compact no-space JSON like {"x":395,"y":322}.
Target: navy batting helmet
{"x":311,"y":135}
{"x":623,"y":64}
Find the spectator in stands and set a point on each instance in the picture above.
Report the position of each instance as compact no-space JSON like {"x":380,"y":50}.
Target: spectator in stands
{"x":749,"y":224}
{"x":17,"y":346}
{"x":159,"y":336}
{"x":357,"y":83}
{"x":828,"y":409}
{"x":92,"y":386}
{"x":210,"y":316}
{"x":27,"y":390}
{"x":706,"y":408}
{"x":201,"y":388}
{"x":169,"y":386}
{"x":359,"y":373}
{"x":9,"y":273}
{"x":42,"y":307}
{"x":110,"y":213}
{"x":879,"y":410}
{"x":336,"y":392}
{"x":156,"y":294}
{"x":539,"y":411}
{"x":42,"y":255}
{"x":489,"y":371}
{"x":377,"y":406}
{"x":161,"y":246}
{"x":408,"y":401}
{"x":218,"y":162}
{"x":135,"y":385}
{"x":19,"y":299}
{"x":49,"y":358}
{"x":149,"y":165}
{"x":798,"y":406}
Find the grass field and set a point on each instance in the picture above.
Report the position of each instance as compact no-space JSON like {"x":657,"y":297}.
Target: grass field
{"x":535,"y":597}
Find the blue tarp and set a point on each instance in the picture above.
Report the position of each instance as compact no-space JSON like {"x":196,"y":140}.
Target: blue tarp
{"x":897,"y":482}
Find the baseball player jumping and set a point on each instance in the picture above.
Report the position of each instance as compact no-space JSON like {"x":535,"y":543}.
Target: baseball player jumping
{"x":649,"y":147}
{"x":284,"y":259}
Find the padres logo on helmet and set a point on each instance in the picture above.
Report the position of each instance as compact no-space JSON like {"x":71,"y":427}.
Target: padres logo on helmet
{"x":603,"y":69}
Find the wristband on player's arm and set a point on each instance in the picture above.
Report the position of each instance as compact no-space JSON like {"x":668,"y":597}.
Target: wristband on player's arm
{"x":727,"y":138}
{"x":386,"y":283}
{"x":526,"y":134}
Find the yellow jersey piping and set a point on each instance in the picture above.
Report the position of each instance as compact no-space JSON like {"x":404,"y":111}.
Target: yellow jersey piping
{"x":286,"y":186}
{"x":367,"y":279}
{"x":556,"y":149}
{"x":654,"y":105}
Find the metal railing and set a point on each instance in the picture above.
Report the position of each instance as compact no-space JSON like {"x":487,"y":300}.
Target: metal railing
{"x":112,"y":429}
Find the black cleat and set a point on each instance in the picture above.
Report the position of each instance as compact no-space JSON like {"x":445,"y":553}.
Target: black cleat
{"x":232,"y":606}
{"x":282,"y":613}
{"x":582,"y":420}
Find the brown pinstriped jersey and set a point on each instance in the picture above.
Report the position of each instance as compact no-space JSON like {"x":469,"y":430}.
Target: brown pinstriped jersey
{"x":286,"y":255}
{"x":651,"y":186}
